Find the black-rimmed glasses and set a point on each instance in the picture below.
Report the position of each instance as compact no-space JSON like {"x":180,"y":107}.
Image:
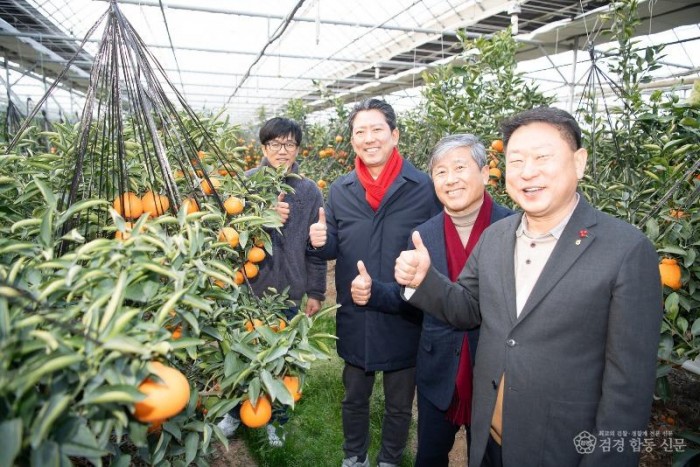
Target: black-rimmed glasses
{"x":275,"y":146}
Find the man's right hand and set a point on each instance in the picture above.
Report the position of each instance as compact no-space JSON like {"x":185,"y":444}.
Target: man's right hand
{"x":361,"y":286}
{"x":412,"y":265}
{"x":318,"y":230}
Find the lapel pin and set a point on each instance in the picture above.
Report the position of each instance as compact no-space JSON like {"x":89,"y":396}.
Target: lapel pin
{"x":583,"y":233}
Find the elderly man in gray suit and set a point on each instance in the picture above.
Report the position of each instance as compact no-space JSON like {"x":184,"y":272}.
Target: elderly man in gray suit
{"x":569,"y":302}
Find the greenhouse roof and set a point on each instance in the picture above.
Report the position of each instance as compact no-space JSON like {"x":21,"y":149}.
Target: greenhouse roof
{"x":246,"y":55}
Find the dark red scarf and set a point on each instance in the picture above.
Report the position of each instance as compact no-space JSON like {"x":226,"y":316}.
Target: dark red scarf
{"x":460,"y":410}
{"x":376,"y":189}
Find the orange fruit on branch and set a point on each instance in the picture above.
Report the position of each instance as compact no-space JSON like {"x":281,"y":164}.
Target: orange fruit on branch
{"x":119,"y":235}
{"x":250,"y":269}
{"x":258,"y":415}
{"x":256,"y":255}
{"x":154,"y":204}
{"x":322,"y":184}
{"x":165,"y":398}
{"x":670,"y":273}
{"x":292,"y":385}
{"x":234,"y":205}
{"x":279,"y":327}
{"x":230,"y":236}
{"x":677,"y":213}
{"x":191,"y":205}
{"x":497,"y":145}
{"x":239,"y":279}
{"x":250,"y":325}
{"x":128,"y":205}
{"x":209,"y":186}
{"x":494,"y":172}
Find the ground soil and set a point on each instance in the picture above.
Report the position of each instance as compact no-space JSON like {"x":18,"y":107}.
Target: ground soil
{"x":680,"y":413}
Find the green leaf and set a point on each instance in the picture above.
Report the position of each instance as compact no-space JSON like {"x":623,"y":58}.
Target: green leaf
{"x":652,"y":229}
{"x":45,"y":192}
{"x":80,"y":206}
{"x":191,"y":445}
{"x":117,"y":393}
{"x":122,"y":460}
{"x":49,"y":413}
{"x":11,"y":436}
{"x":213,"y":332}
{"x":168,"y":306}
{"x":276,"y":388}
{"x":46,"y":455}
{"x":174,"y":429}
{"x":695,"y":329}
{"x":115,"y":301}
{"x":689,"y":121}
{"x":125,"y":344}
{"x":665,"y":347}
{"x":29,"y":378}
{"x":671,"y":306}
{"x":46,"y":229}
{"x":83,"y":444}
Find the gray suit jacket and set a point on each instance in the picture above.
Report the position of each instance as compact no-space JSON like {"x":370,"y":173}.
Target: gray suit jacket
{"x":582,"y":354}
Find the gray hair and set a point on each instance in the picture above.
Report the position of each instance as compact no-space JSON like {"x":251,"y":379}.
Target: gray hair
{"x":462,"y":140}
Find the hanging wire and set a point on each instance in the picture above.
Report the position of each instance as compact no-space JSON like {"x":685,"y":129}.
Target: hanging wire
{"x":172,"y":47}
{"x":278,"y":33}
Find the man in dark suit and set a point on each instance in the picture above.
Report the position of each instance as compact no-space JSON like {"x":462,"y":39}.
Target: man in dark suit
{"x":569,"y":302}
{"x":459,"y":168}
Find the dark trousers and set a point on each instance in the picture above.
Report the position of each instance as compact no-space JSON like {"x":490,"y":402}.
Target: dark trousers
{"x":436,"y":435}
{"x":493,"y":455}
{"x":399,"y":388}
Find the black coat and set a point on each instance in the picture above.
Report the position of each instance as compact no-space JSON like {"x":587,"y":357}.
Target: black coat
{"x":368,"y":338}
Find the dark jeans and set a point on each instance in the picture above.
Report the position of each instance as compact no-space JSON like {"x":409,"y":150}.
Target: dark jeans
{"x":399,"y":388}
{"x":436,"y":435}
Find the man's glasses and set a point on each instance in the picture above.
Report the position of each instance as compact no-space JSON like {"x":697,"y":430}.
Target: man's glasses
{"x":275,"y":146}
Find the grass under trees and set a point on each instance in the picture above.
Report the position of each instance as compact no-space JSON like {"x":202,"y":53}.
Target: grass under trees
{"x":314,"y":431}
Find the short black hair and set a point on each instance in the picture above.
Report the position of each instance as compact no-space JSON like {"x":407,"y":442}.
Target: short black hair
{"x":561,"y":119}
{"x":279,"y":126}
{"x":374,"y":104}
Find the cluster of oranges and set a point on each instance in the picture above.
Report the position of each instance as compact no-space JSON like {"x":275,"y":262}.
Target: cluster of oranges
{"x":494,"y":172}
{"x":130,"y":206}
{"x":256,"y":254}
{"x":259,"y":414}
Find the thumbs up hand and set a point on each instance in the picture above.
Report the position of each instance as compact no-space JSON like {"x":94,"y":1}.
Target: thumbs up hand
{"x":282,"y":208}
{"x":412,"y":265}
{"x":361,"y":287}
{"x":318,"y":230}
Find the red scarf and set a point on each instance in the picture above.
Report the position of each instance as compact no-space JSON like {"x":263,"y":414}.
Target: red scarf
{"x":460,"y":410}
{"x":376,"y":189}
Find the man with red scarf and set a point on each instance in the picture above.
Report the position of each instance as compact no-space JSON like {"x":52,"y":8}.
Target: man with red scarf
{"x":369,"y":214}
{"x":459,"y":169}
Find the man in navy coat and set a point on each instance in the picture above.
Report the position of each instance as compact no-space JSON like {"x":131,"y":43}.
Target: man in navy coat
{"x":369,"y":214}
{"x":459,"y":169}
